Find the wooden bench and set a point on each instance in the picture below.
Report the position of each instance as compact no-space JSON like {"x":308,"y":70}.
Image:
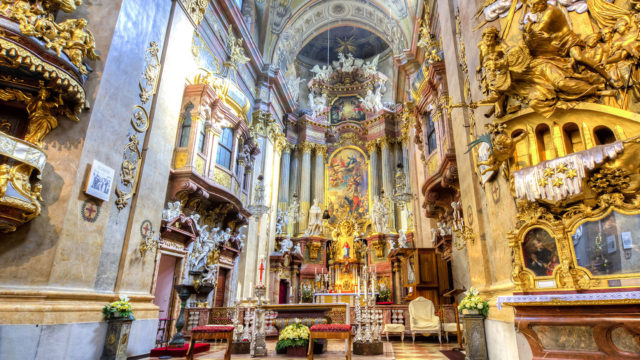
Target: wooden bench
{"x":330,"y":331}
{"x":211,"y":332}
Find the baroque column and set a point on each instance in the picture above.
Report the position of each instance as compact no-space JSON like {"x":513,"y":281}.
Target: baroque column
{"x":283,"y":189}
{"x":387,"y":177}
{"x":318,"y":173}
{"x":374,"y":161}
{"x":305,"y":185}
{"x":295,"y":171}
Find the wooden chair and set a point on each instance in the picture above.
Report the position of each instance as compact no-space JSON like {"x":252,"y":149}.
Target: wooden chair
{"x":211,"y":332}
{"x":330,"y":331}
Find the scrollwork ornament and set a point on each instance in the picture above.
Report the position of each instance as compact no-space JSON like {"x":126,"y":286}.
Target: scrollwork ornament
{"x":128,"y":172}
{"x":151,"y":73}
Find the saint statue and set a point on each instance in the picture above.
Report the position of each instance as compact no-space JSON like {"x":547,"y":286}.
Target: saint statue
{"x":315,"y":220}
{"x":379,"y":216}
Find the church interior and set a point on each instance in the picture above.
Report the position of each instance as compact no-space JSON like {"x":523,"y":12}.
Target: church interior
{"x":380,"y":179}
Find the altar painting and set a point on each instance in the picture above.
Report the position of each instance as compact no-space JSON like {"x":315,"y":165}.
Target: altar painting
{"x":347,"y":185}
{"x":347,"y":108}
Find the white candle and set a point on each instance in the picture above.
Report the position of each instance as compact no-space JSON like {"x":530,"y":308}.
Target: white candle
{"x":250,"y":285}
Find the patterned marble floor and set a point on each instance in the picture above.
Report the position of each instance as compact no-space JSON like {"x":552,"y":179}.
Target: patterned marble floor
{"x":423,"y":350}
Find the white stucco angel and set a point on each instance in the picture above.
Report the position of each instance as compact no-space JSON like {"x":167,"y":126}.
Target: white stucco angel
{"x":370,"y":68}
{"x":372,"y":101}
{"x":297,"y":249}
{"x":322,"y":74}
{"x":172,"y":211}
{"x":319,"y":103}
{"x":402,"y":240}
{"x":293,"y":83}
{"x":347,"y":63}
{"x":258,"y":190}
{"x":286,"y":245}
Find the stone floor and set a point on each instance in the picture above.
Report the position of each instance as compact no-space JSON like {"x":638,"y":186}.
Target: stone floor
{"x":425,"y":349}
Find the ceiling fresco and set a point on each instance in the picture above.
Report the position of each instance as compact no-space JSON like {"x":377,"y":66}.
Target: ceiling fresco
{"x":362,"y":43}
{"x":294,"y":22}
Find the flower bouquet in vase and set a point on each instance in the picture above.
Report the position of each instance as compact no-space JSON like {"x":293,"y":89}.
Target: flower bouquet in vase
{"x":293,"y":340}
{"x":473,"y":304}
{"x":121,"y":309}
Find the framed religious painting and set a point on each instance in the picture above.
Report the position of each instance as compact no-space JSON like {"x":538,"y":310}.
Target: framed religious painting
{"x":540,"y":252}
{"x":609,"y":246}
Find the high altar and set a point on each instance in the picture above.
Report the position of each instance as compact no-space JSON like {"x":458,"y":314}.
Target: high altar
{"x":343,"y":215}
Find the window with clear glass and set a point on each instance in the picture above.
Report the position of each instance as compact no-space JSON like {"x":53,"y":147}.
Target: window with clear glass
{"x":185,"y":130}
{"x":201,"y":138}
{"x":432,"y":142}
{"x":225,"y":145}
{"x":609,"y":246}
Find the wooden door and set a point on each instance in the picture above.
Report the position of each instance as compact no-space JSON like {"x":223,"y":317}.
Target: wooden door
{"x":221,"y":287}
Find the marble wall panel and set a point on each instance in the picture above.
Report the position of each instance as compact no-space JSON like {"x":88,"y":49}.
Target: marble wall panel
{"x":155,"y":173}
{"x":79,"y":341}
{"x":27,"y":255}
{"x":130,"y":44}
{"x":501,"y":340}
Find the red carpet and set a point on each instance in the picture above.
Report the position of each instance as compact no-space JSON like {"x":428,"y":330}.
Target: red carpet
{"x":179,"y":352}
{"x":453,"y":354}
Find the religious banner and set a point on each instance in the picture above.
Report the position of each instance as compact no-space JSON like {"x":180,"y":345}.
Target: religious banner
{"x":347,"y":185}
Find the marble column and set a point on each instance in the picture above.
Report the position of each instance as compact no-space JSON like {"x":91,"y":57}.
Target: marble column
{"x":397,"y":285}
{"x":305,"y":185}
{"x":318,"y":173}
{"x":374,"y":163}
{"x":283,"y":189}
{"x":387,"y":177}
{"x":294,"y":173}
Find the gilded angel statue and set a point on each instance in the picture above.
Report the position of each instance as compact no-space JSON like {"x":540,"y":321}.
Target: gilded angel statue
{"x":80,"y":42}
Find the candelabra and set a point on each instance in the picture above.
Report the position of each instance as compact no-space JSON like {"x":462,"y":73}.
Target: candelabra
{"x":258,"y":344}
{"x":237,"y":333}
{"x":246,"y":336}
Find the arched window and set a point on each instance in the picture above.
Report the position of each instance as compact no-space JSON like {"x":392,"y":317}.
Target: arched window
{"x":603,"y":135}
{"x":521,"y":152}
{"x":544,"y":142}
{"x":224,"y":148}
{"x":201,"y":137}
{"x":572,"y":139}
{"x":185,"y":129}
{"x":432,"y":142}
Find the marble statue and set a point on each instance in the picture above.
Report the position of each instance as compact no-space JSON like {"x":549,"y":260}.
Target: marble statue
{"x":315,"y":220}
{"x":402,"y":240}
{"x":434,"y":236}
{"x":293,"y":83}
{"x":172,"y":211}
{"x":294,"y":210}
{"x":297,"y":249}
{"x":281,"y":222}
{"x":212,"y":271}
{"x":379,"y":216}
{"x":258,"y":198}
{"x":443,"y":228}
{"x":458,"y":220}
{"x":347,"y":62}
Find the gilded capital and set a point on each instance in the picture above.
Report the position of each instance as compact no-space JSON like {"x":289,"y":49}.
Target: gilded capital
{"x":321,"y":150}
{"x":306,"y":147}
{"x":385,"y":141}
{"x":372,"y":146}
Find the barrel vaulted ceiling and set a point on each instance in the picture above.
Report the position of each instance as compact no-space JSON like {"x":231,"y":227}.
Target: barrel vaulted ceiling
{"x":289,"y":25}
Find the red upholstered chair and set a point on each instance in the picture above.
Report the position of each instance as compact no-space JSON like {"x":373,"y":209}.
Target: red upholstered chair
{"x":211,"y":332}
{"x":330,"y":331}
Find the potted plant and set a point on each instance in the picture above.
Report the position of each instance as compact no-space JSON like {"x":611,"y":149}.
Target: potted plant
{"x":473,"y":304}
{"x":307,"y":295}
{"x":384,"y":294}
{"x":293,"y":340}
{"x":119,"y":315}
